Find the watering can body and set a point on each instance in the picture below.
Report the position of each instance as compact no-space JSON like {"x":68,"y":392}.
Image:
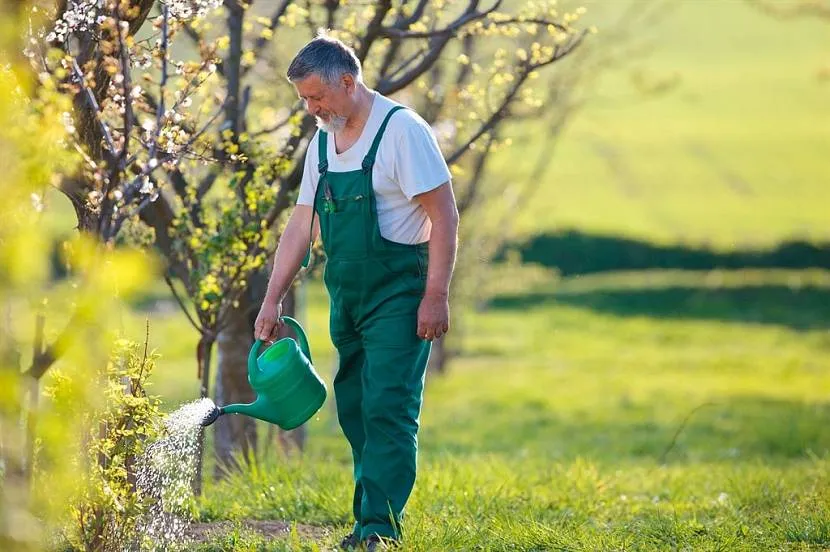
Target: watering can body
{"x":289,"y":390}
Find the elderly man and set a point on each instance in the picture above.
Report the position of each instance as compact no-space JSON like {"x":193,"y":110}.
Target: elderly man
{"x":377,"y":189}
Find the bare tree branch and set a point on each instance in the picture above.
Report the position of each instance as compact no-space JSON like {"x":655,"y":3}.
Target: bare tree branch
{"x":42,"y":361}
{"x":277,"y":126}
{"x":470,"y":193}
{"x":374,"y":29}
{"x":261,"y":41}
{"x":469,"y":15}
{"x":502,"y":111}
{"x":417,"y":13}
{"x":199,"y":328}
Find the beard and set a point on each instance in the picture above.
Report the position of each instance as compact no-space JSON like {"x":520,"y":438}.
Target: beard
{"x":335,"y":124}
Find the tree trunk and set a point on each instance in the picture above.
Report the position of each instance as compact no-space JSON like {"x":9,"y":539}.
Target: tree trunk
{"x":292,"y":440}
{"x":235,"y":433}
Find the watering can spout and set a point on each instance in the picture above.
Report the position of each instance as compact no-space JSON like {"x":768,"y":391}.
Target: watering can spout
{"x":212,"y":416}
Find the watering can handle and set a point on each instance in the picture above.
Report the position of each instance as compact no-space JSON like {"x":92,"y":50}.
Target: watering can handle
{"x":300,"y":335}
{"x":254,"y":352}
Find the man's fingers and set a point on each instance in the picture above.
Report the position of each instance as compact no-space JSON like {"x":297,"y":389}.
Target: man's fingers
{"x":265,"y":331}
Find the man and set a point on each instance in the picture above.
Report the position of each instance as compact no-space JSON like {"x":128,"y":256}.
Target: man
{"x":377,"y":189}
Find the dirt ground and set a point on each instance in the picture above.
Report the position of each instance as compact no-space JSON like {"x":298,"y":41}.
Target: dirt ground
{"x":202,"y":532}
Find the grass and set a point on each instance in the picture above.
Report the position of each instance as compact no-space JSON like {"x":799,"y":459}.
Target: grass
{"x":572,"y":427}
{"x":731,"y":157}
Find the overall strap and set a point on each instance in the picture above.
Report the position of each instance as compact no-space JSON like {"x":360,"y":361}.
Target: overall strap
{"x":322,"y":168}
{"x":369,"y":160}
{"x":323,"y":154}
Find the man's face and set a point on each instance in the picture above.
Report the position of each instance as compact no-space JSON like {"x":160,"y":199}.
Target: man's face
{"x":330,"y":104}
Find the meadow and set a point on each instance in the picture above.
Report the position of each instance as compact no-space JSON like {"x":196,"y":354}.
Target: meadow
{"x":657,"y":409}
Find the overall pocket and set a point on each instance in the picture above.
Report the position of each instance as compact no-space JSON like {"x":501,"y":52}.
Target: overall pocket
{"x":346,"y":226}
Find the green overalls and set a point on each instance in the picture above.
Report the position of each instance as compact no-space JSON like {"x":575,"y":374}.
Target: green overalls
{"x":375,"y":287}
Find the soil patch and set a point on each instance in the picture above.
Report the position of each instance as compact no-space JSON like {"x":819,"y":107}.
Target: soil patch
{"x":203,"y":532}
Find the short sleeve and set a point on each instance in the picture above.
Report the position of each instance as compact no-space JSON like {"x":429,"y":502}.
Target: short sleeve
{"x":419,"y":163}
{"x":308,"y":184}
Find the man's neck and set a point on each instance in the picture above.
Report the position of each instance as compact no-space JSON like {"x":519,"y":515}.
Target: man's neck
{"x":362,"y":109}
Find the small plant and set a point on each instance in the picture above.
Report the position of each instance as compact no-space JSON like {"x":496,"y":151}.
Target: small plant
{"x":108,"y":510}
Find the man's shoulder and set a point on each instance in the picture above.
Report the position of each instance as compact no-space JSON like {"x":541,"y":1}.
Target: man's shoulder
{"x":404,"y":120}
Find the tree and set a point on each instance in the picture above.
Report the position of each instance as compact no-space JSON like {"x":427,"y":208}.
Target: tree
{"x":33,"y":152}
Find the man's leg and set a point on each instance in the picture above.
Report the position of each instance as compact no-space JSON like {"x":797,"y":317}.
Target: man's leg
{"x":348,"y":393}
{"x":393,"y":382}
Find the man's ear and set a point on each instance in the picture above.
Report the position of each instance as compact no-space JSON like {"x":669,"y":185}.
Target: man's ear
{"x":348,"y":82}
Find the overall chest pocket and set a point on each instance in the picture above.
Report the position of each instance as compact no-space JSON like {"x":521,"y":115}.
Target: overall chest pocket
{"x":346,"y":221}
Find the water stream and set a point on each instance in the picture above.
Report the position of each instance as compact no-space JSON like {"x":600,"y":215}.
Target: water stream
{"x":165,"y":474}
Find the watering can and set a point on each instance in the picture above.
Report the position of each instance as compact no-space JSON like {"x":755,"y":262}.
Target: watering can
{"x":289,"y":390}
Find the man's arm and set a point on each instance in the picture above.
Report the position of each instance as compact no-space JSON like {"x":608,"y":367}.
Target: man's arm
{"x":434,"y":313}
{"x":291,"y":251}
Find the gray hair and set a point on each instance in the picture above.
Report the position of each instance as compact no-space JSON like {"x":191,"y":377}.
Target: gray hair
{"x":326,"y":57}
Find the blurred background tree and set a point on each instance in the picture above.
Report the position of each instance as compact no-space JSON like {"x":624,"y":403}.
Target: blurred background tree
{"x":72,"y":325}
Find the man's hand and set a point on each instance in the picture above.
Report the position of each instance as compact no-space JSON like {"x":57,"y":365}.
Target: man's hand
{"x":434,"y":311}
{"x":433,"y":316}
{"x":268,"y":323}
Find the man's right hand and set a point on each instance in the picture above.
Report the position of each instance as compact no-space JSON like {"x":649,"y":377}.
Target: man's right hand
{"x":268,"y":323}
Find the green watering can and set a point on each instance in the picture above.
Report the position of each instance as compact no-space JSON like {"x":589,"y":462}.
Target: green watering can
{"x":289,"y":390}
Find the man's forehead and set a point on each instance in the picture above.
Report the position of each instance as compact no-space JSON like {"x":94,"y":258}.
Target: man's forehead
{"x":309,"y":85}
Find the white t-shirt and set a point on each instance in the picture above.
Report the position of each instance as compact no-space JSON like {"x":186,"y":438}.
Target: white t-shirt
{"x":408,"y":162}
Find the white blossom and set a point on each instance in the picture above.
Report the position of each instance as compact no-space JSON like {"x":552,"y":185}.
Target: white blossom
{"x":68,"y":123}
{"x":146,"y":185}
{"x":80,"y":16}
{"x":37,"y":202}
{"x":188,"y":9}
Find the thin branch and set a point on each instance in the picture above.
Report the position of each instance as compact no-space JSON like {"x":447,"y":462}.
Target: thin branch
{"x":374,"y":28}
{"x":403,"y":65}
{"x":47,"y":357}
{"x":680,"y":430}
{"x":468,"y":16}
{"x":500,"y":113}
{"x":261,"y":41}
{"x":164,"y":76}
{"x":93,"y":103}
{"x":471,"y":191}
{"x":128,"y":102}
{"x":275,"y":127}
{"x":417,"y":13}
{"x":178,"y":298}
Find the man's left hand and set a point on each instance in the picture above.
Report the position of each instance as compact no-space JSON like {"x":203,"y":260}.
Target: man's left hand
{"x":433,"y":316}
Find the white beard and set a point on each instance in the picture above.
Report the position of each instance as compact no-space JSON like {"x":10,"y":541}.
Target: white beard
{"x":336,"y":124}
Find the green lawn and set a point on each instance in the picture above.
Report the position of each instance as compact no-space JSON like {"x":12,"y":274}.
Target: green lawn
{"x":589,"y":415}
{"x":734,"y":155}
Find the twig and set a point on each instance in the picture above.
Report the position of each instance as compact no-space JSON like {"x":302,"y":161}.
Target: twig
{"x":90,"y":96}
{"x":193,"y":323}
{"x":261,"y":41}
{"x":163,"y":82}
{"x":468,"y":16}
{"x":680,"y":429}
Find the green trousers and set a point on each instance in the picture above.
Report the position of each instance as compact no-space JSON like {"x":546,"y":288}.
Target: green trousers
{"x":375,"y":287}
